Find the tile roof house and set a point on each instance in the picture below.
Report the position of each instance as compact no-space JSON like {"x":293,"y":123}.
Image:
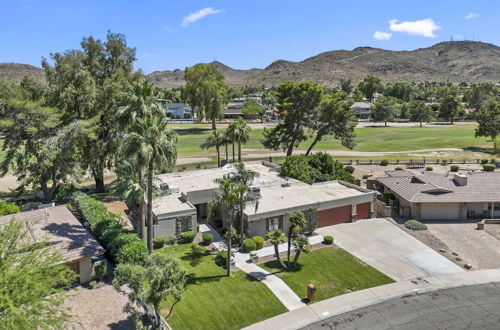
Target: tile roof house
{"x":361,"y":109}
{"x":66,"y":234}
{"x":435,"y":196}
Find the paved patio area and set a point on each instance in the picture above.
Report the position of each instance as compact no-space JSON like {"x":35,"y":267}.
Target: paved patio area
{"x":384,"y":246}
{"x":478,"y":247}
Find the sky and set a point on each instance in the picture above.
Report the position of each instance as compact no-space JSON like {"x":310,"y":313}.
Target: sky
{"x":241,"y":34}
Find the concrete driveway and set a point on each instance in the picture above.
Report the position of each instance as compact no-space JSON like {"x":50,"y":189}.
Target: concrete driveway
{"x":384,"y":246}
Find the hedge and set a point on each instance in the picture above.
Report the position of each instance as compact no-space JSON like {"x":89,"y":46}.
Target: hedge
{"x":259,"y":242}
{"x":122,"y":246}
{"x":484,"y":161}
{"x":489,"y":167}
{"x":429,"y":168}
{"x":159,"y":242}
{"x":188,"y":236}
{"x":454,"y":168}
{"x":328,"y":240}
{"x":249,"y":245}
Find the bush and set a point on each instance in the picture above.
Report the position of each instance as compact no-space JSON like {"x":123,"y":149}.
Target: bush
{"x":207,"y":238}
{"x":429,"y":168}
{"x":188,"y":236}
{"x":454,"y":168}
{"x":92,"y":284}
{"x":134,"y":252}
{"x":349,"y":169}
{"x":399,"y":168}
{"x":8,"y":208}
{"x":484,"y":161}
{"x":489,"y":167}
{"x":64,"y":190}
{"x":444,"y":162}
{"x":249,"y":245}
{"x":199,"y":250}
{"x":387,"y":196}
{"x":415,"y":225}
{"x":171,"y":240}
{"x":259,"y":242}
{"x":100,"y":271}
{"x":221,"y":258}
{"x":366,"y":176}
{"x":328,"y":240}
{"x":384,"y":162}
{"x":158,"y":242}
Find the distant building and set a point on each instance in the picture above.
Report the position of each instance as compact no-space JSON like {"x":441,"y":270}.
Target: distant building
{"x":178,"y":110}
{"x":361,"y":109}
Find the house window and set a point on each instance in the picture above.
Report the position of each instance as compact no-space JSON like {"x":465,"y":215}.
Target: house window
{"x":274,"y":223}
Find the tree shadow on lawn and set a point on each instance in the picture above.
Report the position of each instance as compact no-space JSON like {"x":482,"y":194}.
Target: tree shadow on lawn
{"x":191,"y":131}
{"x":274,"y":264}
{"x":191,"y":279}
{"x":196,"y":255}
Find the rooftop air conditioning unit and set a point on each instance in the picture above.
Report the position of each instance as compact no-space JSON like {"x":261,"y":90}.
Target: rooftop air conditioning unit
{"x":174,"y":190}
{"x":255,"y":192}
{"x":164,"y":189}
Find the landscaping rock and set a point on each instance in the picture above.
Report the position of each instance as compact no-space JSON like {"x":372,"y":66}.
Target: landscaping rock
{"x":442,"y":250}
{"x":467,"y":266}
{"x":458,"y":259}
{"x":455,"y":253}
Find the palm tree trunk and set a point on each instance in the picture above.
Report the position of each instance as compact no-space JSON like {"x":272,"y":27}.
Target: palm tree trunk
{"x":289,"y":245}
{"x":229,"y":239}
{"x":149,"y":214}
{"x":213,"y":124}
{"x":296,"y":258}
{"x":277,"y":252}
{"x":233,"y":152}
{"x":142,"y":224}
{"x":218,"y":156}
{"x":239,"y":151}
{"x":227,"y":154}
{"x":242,"y":225}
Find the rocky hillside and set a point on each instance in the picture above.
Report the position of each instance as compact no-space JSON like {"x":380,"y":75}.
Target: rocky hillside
{"x":15,"y":72}
{"x":453,"y":61}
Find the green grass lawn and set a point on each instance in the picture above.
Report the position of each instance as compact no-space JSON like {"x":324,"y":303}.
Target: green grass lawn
{"x":332,"y":270}
{"x":214,"y":301}
{"x":367,"y":139}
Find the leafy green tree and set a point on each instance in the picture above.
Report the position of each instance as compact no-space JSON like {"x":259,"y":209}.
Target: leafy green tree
{"x":297,"y":167}
{"x":297,"y":222}
{"x":333,"y":116}
{"x":370,"y":85}
{"x":345,"y":85}
{"x":488,"y":119}
{"x":404,"y":111}
{"x":401,"y":90}
{"x":151,"y":139}
{"x":206,"y":91}
{"x":148,"y":286}
{"x":276,"y":237}
{"x":86,"y":85}
{"x":33,"y":280}
{"x":270,"y":98}
{"x":449,"y":103}
{"x":296,"y":103}
{"x":383,"y":110}
{"x":39,"y":148}
{"x":252,"y":109}
{"x":419,"y":111}
{"x":477,"y":94}
{"x":239,"y":131}
{"x":301,"y":244}
{"x":215,"y":140}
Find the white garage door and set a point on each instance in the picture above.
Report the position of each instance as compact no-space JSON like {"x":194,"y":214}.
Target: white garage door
{"x":439,"y":211}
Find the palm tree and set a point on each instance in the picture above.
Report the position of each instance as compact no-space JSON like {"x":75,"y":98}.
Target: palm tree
{"x":230,"y":137}
{"x":301,"y":244}
{"x":240,"y":132}
{"x":276,"y":237}
{"x":226,"y":141}
{"x":297,"y":222}
{"x":150,"y":138}
{"x":215,"y":140}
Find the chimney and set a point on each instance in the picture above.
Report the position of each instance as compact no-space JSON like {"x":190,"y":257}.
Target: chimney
{"x":460,"y":179}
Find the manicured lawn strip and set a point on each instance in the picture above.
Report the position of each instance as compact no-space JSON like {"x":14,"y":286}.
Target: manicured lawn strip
{"x":332,"y":270}
{"x":214,"y":301}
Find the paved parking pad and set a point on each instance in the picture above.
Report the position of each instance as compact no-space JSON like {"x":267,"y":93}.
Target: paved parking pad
{"x":389,"y":249}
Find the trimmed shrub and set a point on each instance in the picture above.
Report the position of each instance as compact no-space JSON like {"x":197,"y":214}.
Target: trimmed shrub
{"x":207,"y":238}
{"x":484,"y":161}
{"x":249,"y":245}
{"x":429,"y":168}
{"x":134,"y":252}
{"x":8,"y":208}
{"x":259,"y":242}
{"x":349,"y":169}
{"x":100,"y":271}
{"x":328,"y":240}
{"x":120,"y":241}
{"x":399,"y":168}
{"x":158,"y":242}
{"x":454,"y":168}
{"x":384,"y":162}
{"x":415,"y":225}
{"x":489,"y":167}
{"x":366,"y":176}
{"x":188,"y":236}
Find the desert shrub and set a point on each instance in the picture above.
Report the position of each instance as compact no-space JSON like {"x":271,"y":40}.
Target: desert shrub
{"x":207,"y":238}
{"x":328,"y":240}
{"x":349,"y":169}
{"x":489,"y":167}
{"x":249,"y":245}
{"x":158,"y":242}
{"x":8,"y":208}
{"x":188,"y":236}
{"x":259,"y":242}
{"x":415,"y":225}
{"x":429,"y":168}
{"x":64,"y":190}
{"x":384,"y":162}
{"x":484,"y":161}
{"x":134,"y":252}
{"x":399,"y":168}
{"x":100,"y":271}
{"x":454,"y":168}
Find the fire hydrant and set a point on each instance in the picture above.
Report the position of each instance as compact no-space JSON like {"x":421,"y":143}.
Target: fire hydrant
{"x":311,"y":292}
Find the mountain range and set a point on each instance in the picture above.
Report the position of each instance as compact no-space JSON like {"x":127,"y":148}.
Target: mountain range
{"x":453,"y":61}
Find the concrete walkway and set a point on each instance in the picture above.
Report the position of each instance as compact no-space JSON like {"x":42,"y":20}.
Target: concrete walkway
{"x":325,"y":309}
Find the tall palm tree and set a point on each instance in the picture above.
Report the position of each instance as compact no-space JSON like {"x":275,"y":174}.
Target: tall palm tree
{"x":301,"y":244}
{"x":276,"y":237}
{"x":240,"y":133}
{"x":297,"y":222}
{"x":215,"y":140}
{"x":150,"y":138}
{"x":230,"y":136}
{"x":226,"y":141}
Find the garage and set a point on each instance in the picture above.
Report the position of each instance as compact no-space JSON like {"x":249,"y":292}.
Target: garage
{"x":334,"y":216}
{"x":363,"y":211}
{"x":447,"y":211}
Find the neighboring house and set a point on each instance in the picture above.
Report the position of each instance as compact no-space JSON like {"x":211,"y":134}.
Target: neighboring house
{"x":66,"y":234}
{"x":276,"y":197}
{"x":233,"y":110}
{"x":438,"y":196}
{"x":361,"y":109}
{"x":178,"y":110}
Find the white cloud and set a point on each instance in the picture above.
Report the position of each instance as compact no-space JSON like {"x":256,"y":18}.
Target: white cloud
{"x":379,"y":35}
{"x":471,"y":15}
{"x":193,"y":17}
{"x":424,"y":27}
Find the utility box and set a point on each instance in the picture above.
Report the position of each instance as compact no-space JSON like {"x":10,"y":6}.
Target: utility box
{"x":311,"y":292}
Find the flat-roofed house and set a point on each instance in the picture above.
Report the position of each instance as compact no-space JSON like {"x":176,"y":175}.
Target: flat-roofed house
{"x":66,"y":234}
